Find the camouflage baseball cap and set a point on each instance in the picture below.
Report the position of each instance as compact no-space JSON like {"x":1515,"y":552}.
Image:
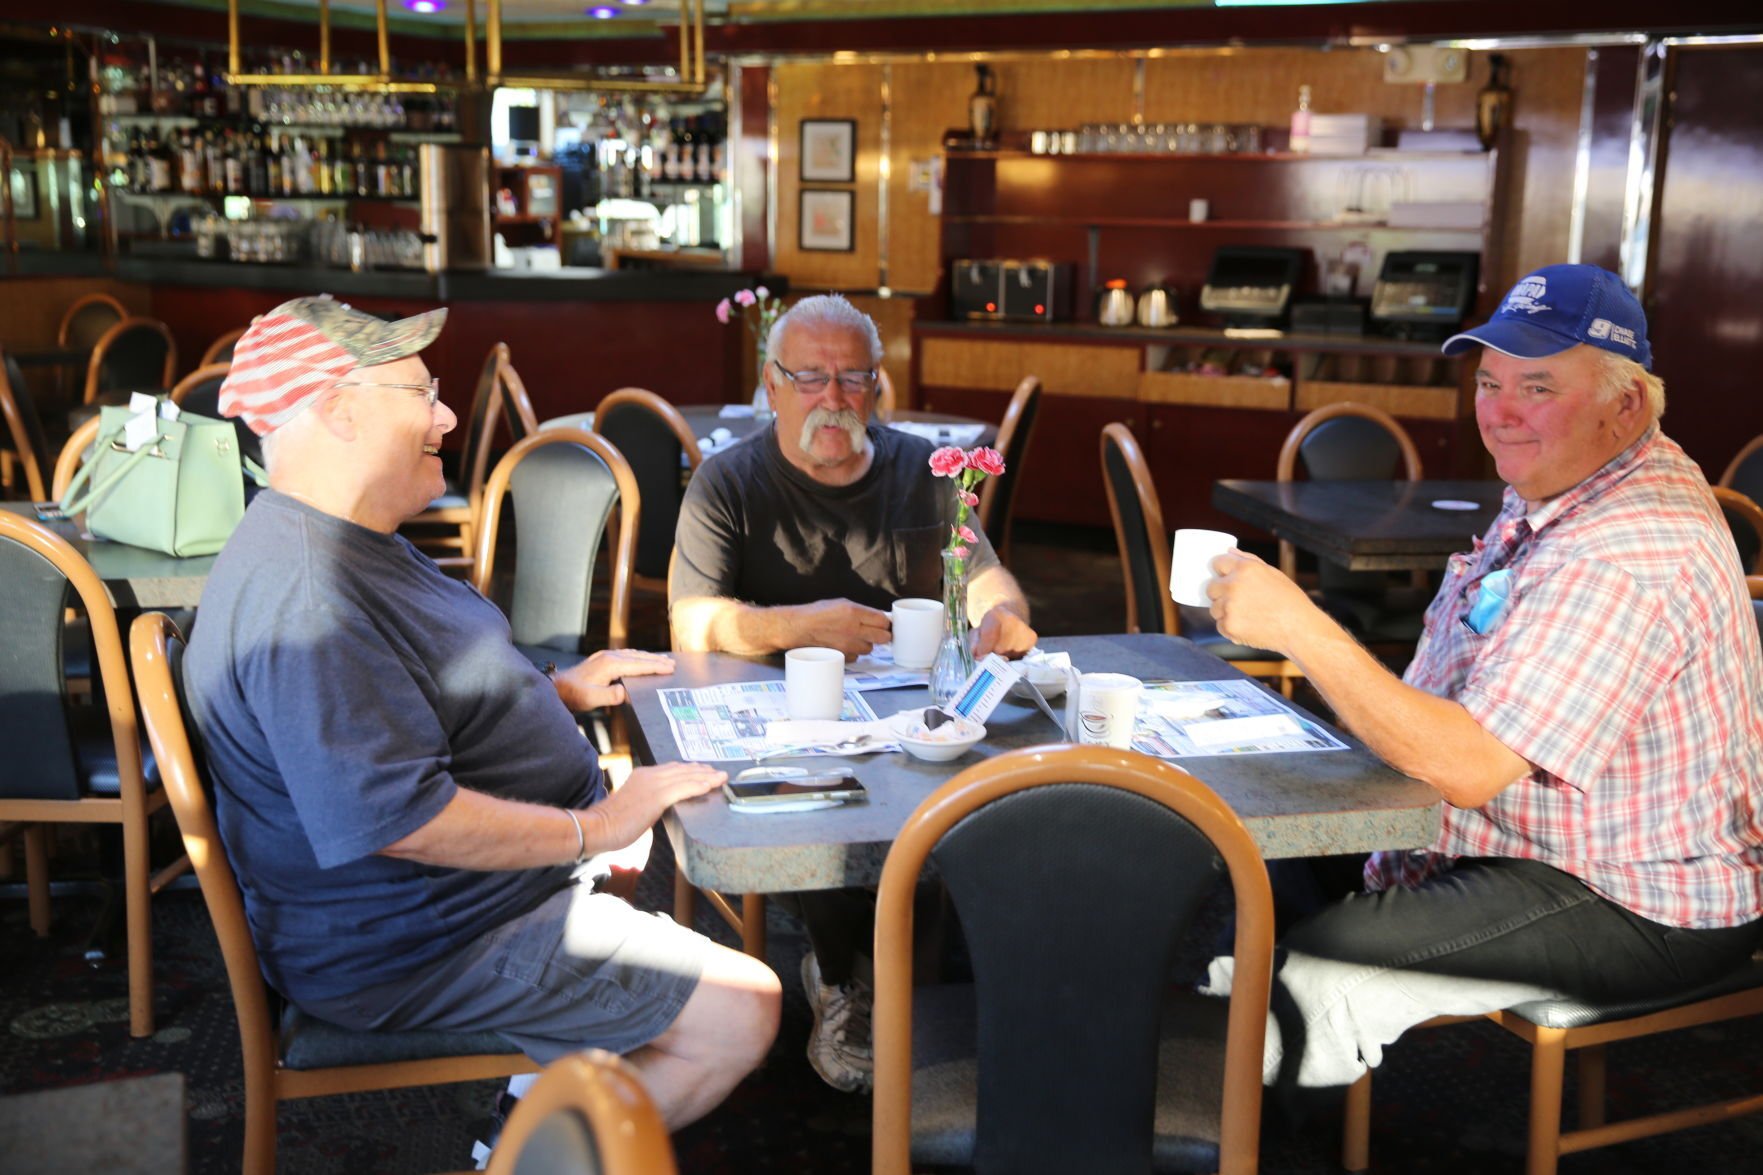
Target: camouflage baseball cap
{"x":302,"y":347}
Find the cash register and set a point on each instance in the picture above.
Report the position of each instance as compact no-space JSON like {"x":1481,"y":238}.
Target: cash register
{"x":1252,"y":286}
{"x":1423,"y":296}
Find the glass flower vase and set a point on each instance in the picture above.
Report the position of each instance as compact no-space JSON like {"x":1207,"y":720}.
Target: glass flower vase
{"x":954,"y":663}
{"x":761,"y":399}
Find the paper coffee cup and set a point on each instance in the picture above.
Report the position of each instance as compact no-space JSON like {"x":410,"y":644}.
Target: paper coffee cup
{"x":1190,"y":566}
{"x":918,"y":631}
{"x":814,"y":683}
{"x":1107,"y":708}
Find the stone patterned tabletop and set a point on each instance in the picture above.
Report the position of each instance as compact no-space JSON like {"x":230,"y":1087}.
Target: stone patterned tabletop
{"x":1295,"y":805}
{"x":135,"y":576}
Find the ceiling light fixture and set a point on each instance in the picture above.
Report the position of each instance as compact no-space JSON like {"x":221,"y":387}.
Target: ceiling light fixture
{"x":426,"y":7}
{"x":603,"y":12}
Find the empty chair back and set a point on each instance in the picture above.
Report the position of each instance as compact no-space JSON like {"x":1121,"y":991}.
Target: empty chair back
{"x":85,"y":322}
{"x":40,"y":757}
{"x":1346,"y":441}
{"x":1138,"y":528}
{"x":1076,"y":872}
{"x":658,"y":443}
{"x":135,"y":355}
{"x":221,"y":349}
{"x":1745,"y":519}
{"x":565,"y":483}
{"x":1745,"y":472}
{"x":998,"y":496}
{"x":24,"y":428}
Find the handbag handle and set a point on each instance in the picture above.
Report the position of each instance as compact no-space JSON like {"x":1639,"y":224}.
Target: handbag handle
{"x":72,"y":503}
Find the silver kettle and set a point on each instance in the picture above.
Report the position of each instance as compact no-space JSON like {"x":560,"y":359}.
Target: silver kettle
{"x":1157,"y":306}
{"x":1114,"y":305}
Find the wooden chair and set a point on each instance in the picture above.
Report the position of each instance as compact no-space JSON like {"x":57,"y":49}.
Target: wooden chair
{"x":72,"y":456}
{"x":83,"y":324}
{"x":588,"y":1114}
{"x":1744,"y":472}
{"x":1071,"y":1051}
{"x":566,"y":483}
{"x":499,"y":392}
{"x":221,"y":349}
{"x":287,"y":1054}
{"x":659,"y":445}
{"x":998,"y":494}
{"x":137,"y":354}
{"x":205,"y":381}
{"x":1746,"y":520}
{"x":885,"y":399}
{"x":1554,"y":1028}
{"x":30,"y":447}
{"x":73,"y":764}
{"x":1145,"y":549}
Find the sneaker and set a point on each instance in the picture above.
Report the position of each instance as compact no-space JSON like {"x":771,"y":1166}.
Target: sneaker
{"x":839,"y":1047}
{"x":480,"y":1149}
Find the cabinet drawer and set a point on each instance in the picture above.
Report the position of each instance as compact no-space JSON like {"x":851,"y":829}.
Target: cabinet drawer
{"x":1412,"y":400}
{"x":1215,"y":391}
{"x":1065,"y":369}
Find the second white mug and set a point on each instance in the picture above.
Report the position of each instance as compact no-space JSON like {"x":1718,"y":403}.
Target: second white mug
{"x":814,"y":683}
{"x":1190,"y":566}
{"x":918,"y":631}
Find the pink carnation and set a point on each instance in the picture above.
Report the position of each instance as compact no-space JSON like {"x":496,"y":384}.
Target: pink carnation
{"x":967,"y":535}
{"x":722,"y":311}
{"x":761,"y":292}
{"x":969,"y":498}
{"x":988,"y":461}
{"x":745,"y":298}
{"x":958,"y":552}
{"x":948,"y":461}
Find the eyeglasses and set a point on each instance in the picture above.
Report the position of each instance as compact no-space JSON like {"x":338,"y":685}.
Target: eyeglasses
{"x":431,"y":391}
{"x":814,"y":382}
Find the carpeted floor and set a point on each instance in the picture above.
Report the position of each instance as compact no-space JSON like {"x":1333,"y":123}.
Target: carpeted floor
{"x":1447,"y":1100}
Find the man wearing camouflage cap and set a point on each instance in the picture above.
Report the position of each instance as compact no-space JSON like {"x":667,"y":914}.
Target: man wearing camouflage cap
{"x":404,"y":798}
{"x":1583,"y":700}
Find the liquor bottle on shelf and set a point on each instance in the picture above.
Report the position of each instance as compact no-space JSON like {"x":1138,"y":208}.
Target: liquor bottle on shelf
{"x":1301,"y":121}
{"x":323,"y":179}
{"x":407,"y":173}
{"x":256,"y":164}
{"x":161,"y":164}
{"x":358,"y":164}
{"x":235,"y":164}
{"x":272,"y":162}
{"x":140,"y":164}
{"x":214,"y":161}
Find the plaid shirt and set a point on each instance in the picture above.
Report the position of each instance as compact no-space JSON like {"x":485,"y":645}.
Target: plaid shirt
{"x":1626,"y":670}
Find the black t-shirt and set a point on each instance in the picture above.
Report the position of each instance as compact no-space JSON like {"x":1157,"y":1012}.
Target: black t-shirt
{"x":755,"y":528}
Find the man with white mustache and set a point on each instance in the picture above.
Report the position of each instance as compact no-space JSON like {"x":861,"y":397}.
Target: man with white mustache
{"x":806,"y":534}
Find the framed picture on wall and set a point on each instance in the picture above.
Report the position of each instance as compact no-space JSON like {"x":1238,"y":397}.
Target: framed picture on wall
{"x":829,"y":150}
{"x":825,"y":224}
{"x":24,"y":190}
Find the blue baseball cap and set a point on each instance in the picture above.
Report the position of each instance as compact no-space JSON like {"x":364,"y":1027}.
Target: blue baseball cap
{"x":1562,"y":306}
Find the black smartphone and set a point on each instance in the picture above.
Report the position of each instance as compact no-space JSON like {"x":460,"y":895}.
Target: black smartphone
{"x":766,"y":787}
{"x":49,"y":512}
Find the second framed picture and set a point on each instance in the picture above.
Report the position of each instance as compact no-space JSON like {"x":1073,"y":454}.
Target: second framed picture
{"x":825,"y":224}
{"x":829,"y":150}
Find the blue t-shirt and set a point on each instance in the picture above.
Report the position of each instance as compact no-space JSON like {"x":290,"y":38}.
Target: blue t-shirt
{"x":345,"y":688}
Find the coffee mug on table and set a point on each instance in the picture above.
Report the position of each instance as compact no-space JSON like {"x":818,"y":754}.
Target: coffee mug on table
{"x":918,"y":631}
{"x":1107,"y":708}
{"x":1190,"y":566}
{"x":814,"y":683}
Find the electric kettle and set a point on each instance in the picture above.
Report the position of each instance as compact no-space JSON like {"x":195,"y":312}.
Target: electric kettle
{"x":1114,"y":304}
{"x":1157,"y":305}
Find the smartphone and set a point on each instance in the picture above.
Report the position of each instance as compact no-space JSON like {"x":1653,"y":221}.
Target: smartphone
{"x":768,"y":786}
{"x":49,"y":512}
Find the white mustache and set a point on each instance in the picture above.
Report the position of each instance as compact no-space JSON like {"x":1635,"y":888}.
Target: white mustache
{"x":845,"y":418}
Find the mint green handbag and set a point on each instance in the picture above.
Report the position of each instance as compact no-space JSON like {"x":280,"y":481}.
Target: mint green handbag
{"x":182,"y":494}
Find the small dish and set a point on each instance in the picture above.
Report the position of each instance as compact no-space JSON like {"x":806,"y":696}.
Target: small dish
{"x":1049,"y":679}
{"x":949,"y":741}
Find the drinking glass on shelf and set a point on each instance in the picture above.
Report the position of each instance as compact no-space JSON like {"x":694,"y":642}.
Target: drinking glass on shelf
{"x":1249,"y":137}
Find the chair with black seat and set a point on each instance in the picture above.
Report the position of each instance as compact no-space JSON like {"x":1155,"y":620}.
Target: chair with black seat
{"x":135,"y":355}
{"x":1744,"y":472}
{"x":1353,"y":441}
{"x":30,"y":447}
{"x":82,"y":324}
{"x":221,"y":349}
{"x":1745,"y":519}
{"x":1145,"y":549}
{"x":998,"y":494}
{"x":587,"y":1114}
{"x":1076,"y":873}
{"x":499,"y":395}
{"x":69,"y":763}
{"x":656,"y":441}
{"x":1554,"y":1028}
{"x":565,"y":482}
{"x":287,"y":1054}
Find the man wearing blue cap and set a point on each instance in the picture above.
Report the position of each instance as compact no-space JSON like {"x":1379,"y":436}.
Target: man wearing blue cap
{"x":1583,"y":698}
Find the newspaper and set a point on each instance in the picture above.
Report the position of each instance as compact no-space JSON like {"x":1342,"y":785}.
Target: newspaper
{"x":1185,"y":719}
{"x":728,"y":721}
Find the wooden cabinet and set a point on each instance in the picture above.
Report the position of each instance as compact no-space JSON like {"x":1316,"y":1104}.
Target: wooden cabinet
{"x":529,"y":200}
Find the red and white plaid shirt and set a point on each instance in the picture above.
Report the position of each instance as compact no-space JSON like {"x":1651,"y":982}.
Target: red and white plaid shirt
{"x":1627,"y":671}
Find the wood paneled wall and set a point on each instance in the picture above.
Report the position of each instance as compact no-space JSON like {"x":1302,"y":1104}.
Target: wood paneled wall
{"x":927,"y":97}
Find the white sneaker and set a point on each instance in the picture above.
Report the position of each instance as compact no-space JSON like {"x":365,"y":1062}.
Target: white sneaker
{"x":839,"y":1047}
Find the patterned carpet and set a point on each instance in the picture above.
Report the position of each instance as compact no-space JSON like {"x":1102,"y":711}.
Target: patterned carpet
{"x":1447,"y":1100}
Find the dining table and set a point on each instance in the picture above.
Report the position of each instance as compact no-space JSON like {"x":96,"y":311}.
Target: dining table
{"x":135,"y":577}
{"x":1367,"y":525}
{"x":1295,"y":804}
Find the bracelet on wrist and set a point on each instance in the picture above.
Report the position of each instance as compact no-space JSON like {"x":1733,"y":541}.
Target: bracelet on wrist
{"x":581,"y":838}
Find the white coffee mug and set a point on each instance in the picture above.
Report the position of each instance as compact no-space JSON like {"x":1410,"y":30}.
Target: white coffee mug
{"x":1191,"y":564}
{"x":1107,"y":708}
{"x":918,"y":631}
{"x":1198,"y":210}
{"x":814,"y":683}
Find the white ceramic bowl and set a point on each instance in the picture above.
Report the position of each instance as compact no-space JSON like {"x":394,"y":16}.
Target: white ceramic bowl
{"x":949,"y":741}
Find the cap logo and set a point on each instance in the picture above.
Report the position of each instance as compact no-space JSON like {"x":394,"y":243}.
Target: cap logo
{"x":1527,"y":296}
{"x":1603,"y":328}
